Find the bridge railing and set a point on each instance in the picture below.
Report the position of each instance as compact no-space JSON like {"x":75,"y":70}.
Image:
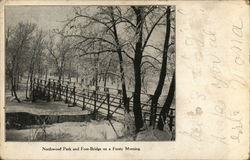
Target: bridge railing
{"x":107,"y":101}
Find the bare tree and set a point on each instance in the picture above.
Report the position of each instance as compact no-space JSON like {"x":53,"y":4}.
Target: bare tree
{"x":17,"y":48}
{"x":163,"y":70}
{"x":36,"y":54}
{"x":124,"y":31}
{"x":59,"y":49}
{"x":107,"y":41}
{"x":142,"y":39}
{"x":166,"y":106}
{"x":8,"y":49}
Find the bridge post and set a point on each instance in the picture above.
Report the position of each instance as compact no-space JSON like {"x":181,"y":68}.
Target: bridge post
{"x":48,"y":96}
{"x":83,"y":99}
{"x":41,"y":87}
{"x":132,"y":97}
{"x":120,"y":99}
{"x":45,"y":88}
{"x":94,"y":94}
{"x":144,"y":118}
{"x":54,"y":89}
{"x":171,"y":118}
{"x":87,"y":90}
{"x":33,"y":90}
{"x":152,"y":114}
{"x":57,"y":90}
{"x":60,"y":90}
{"x":97,"y":88}
{"x":155,"y":115}
{"x":128,"y":99}
{"x":37,"y":87}
{"x":70,"y":93}
{"x":108,"y":106}
{"x":66,"y":96}
{"x":74,"y":95}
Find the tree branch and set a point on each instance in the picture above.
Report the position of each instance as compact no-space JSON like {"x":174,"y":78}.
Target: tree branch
{"x":145,"y":62}
{"x":148,"y":56}
{"x":152,"y":29}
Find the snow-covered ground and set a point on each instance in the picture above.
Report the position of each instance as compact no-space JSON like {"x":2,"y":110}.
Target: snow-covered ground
{"x":93,"y":130}
{"x":69,"y":131}
{"x":85,"y":131}
{"x":44,"y":108}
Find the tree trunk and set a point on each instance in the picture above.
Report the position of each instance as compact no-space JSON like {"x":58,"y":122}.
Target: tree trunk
{"x":77,"y":76}
{"x":17,"y":80}
{"x":137,"y":70}
{"x":14,"y":89}
{"x":13,"y":78}
{"x":27,"y":86}
{"x":15,"y":94}
{"x":10,"y":82}
{"x":59,"y":73}
{"x":119,"y":51}
{"x":105,"y":81}
{"x":69,"y":74}
{"x":59,"y":77}
{"x":31,"y":88}
{"x":46,"y":74}
{"x":106,"y":73}
{"x":30,"y":76}
{"x":167,"y":104}
{"x":96,"y":70}
{"x":163,"y":71}
{"x":137,"y":96}
{"x":124,"y":90}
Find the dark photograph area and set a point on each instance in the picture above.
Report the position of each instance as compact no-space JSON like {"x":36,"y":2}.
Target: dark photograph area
{"x":90,"y":73}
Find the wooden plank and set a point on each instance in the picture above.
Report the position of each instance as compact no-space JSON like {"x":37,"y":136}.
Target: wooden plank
{"x":101,"y":104}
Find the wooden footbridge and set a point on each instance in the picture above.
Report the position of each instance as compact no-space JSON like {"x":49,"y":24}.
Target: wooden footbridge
{"x":105,"y":101}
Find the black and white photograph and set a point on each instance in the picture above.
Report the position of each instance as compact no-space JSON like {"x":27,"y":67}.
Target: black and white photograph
{"x":90,"y":73}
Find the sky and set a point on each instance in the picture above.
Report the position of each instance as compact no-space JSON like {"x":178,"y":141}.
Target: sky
{"x":46,"y":17}
{"x":52,"y":17}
